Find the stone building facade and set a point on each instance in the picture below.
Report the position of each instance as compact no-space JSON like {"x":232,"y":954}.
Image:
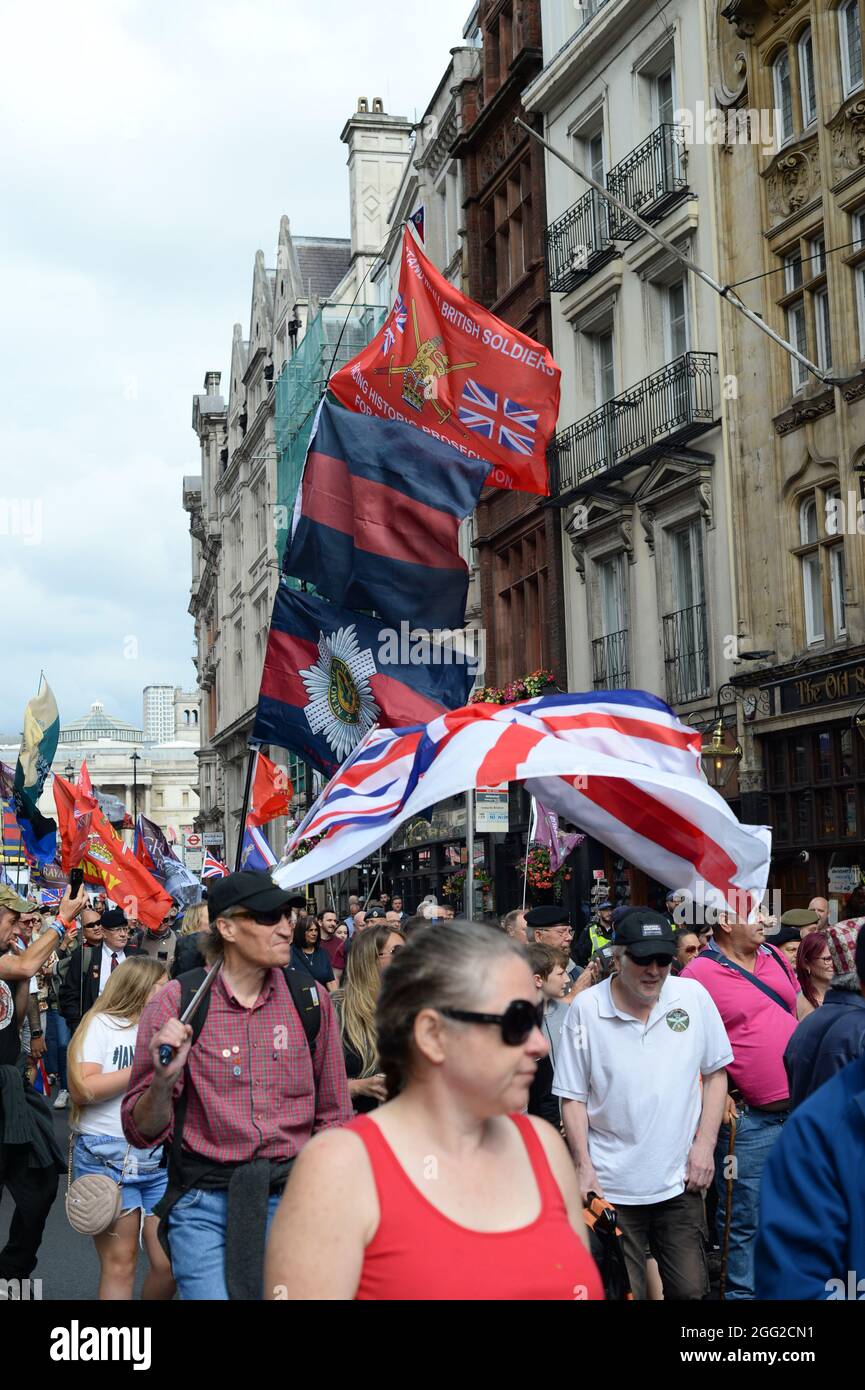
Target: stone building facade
{"x":640,"y":469}
{"x":792,"y":226}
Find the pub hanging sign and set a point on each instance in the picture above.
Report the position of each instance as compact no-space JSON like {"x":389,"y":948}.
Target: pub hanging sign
{"x":824,"y":688}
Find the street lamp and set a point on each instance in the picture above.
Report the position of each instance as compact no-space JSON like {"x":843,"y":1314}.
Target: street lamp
{"x":717,"y":756}
{"x":69,"y":769}
{"x":135,"y":760}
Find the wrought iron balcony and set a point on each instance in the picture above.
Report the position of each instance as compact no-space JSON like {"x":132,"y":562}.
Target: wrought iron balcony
{"x":578,"y":242}
{"x":686,"y":654}
{"x":610,"y":661}
{"x":670,"y":406}
{"x":651,"y":179}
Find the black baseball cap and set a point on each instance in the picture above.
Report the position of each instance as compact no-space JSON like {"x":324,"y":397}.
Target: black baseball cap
{"x":645,"y":933}
{"x":250,"y":888}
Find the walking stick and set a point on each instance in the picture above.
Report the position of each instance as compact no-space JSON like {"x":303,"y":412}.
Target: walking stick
{"x":728,"y":1209}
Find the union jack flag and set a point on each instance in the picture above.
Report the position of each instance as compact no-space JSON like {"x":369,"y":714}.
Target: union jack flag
{"x":618,"y":764}
{"x":212,"y":868}
{"x":482,"y":413}
{"x":397,"y":321}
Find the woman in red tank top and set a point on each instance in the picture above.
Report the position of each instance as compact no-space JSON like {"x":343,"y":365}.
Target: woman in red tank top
{"x":448,"y":1191}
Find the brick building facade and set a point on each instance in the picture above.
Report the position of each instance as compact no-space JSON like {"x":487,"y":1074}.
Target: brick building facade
{"x":517,"y":537}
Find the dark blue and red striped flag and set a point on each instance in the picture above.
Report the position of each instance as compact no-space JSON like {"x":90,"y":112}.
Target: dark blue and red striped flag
{"x":377,"y":519}
{"x":331,"y":674}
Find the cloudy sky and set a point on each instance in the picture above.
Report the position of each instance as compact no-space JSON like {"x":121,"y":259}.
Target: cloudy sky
{"x":149,"y":150}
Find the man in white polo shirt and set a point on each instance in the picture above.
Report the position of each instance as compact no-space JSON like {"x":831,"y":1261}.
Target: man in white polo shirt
{"x":640,"y":1070}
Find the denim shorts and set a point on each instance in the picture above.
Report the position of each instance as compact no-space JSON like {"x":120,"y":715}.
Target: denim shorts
{"x":143,"y":1182}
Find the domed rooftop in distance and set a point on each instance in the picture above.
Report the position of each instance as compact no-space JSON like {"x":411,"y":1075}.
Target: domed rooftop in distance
{"x":97,"y":724}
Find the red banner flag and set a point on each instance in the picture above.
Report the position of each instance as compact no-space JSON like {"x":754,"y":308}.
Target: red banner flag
{"x":450,"y":367}
{"x":84,"y":783}
{"x":271,"y":792}
{"x":89,"y":841}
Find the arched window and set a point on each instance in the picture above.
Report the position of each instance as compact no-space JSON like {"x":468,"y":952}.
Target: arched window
{"x":821,"y":556}
{"x":807,"y":82}
{"x":783,"y":89}
{"x":850,"y":36}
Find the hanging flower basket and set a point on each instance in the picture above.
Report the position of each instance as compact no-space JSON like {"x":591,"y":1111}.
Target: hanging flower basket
{"x":454,"y":887}
{"x":540,"y":875}
{"x":526,"y":688}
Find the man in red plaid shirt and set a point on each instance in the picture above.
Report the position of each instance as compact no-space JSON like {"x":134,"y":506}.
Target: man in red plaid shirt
{"x":236,"y":1106}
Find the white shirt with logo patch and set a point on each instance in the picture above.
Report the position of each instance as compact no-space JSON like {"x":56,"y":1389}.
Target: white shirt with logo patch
{"x":641,"y":1084}
{"x":109,"y":1042}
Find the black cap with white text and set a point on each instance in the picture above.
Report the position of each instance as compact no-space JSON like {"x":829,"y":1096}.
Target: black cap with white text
{"x":645,"y":933}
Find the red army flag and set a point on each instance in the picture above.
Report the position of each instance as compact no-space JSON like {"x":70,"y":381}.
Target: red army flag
{"x":450,"y":367}
{"x":271,"y":792}
{"x":90,"y":842}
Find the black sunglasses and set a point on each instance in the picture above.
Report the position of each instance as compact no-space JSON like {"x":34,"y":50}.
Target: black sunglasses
{"x":661,"y":961}
{"x":516,"y":1023}
{"x":266,"y":919}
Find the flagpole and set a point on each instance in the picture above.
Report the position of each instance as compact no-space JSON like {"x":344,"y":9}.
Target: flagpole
{"x":533,"y":818}
{"x":250,"y":766}
{"x":469,"y":887}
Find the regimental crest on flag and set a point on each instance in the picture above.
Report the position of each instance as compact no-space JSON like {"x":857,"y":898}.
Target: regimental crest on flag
{"x":430,"y":364}
{"x":509,"y":424}
{"x":341,"y":704}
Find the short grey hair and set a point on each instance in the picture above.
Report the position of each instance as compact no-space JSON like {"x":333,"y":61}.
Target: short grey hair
{"x":440,"y":969}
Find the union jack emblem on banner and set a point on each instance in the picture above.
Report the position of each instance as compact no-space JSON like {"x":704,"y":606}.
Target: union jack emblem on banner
{"x":505,"y":422}
{"x":399,"y":318}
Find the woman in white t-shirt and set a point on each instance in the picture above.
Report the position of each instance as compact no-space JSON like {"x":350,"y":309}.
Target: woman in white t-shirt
{"x":100,"y":1065}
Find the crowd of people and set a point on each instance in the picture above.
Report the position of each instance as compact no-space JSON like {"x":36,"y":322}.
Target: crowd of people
{"x":383,"y":1106}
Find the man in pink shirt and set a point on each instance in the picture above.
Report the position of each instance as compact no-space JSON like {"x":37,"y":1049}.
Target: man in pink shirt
{"x":755,"y":992}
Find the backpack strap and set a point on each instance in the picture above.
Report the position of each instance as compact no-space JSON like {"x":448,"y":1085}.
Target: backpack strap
{"x":304,"y":993}
{"x":301,"y":985}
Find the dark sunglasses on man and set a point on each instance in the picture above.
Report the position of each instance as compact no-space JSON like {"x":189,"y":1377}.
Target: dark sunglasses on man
{"x":662,"y":962}
{"x":516,"y":1023}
